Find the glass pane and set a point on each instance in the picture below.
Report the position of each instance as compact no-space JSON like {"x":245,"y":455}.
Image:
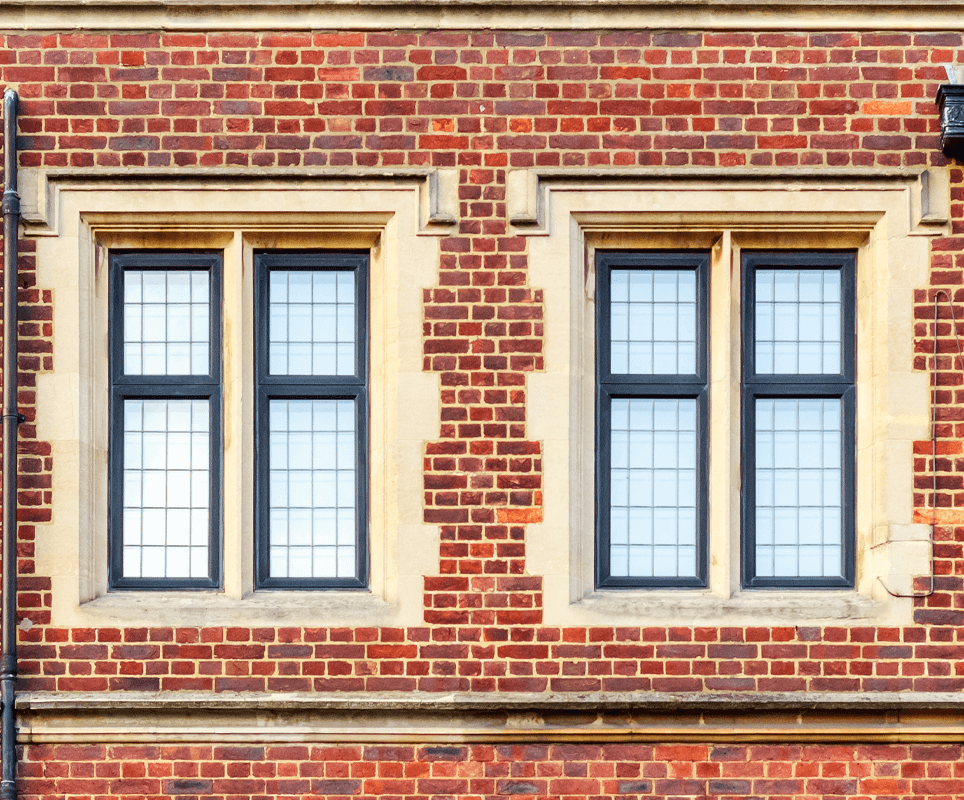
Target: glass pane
{"x":798,"y":474}
{"x":166,"y":322}
{"x":311,"y":323}
{"x":167,"y":461}
{"x":653,"y":493}
{"x":653,"y":321}
{"x":312,"y":489}
{"x":797,"y":321}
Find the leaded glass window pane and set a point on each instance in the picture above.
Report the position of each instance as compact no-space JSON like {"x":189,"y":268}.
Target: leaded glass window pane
{"x":166,"y":489}
{"x":653,"y":525}
{"x":311,"y":322}
{"x":653,"y":322}
{"x":798,"y":487}
{"x":312,"y":489}
{"x":798,"y":322}
{"x":167,"y":322}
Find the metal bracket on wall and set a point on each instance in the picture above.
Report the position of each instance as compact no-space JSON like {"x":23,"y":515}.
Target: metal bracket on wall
{"x":950,"y":104}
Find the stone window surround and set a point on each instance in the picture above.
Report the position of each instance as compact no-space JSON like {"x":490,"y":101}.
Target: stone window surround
{"x":887,"y":217}
{"x":76,"y":218}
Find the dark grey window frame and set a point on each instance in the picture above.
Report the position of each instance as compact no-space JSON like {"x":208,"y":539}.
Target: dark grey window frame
{"x":342,"y":387}
{"x":609,"y":386}
{"x":840,"y":387}
{"x":136,"y":387}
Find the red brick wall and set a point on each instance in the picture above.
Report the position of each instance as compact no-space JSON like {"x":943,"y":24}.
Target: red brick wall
{"x":550,"y":99}
{"x":484,"y":102}
{"x":558,"y":771}
{"x":946,"y":470}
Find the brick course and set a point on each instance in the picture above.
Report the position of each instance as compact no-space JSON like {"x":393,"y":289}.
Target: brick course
{"x":477,"y":99}
{"x":480,"y":771}
{"x":522,"y":658}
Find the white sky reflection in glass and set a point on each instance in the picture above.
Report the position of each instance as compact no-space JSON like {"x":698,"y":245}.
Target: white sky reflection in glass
{"x":311,"y":322}
{"x":653,"y":499}
{"x":167,"y":498}
{"x":312,"y":489}
{"x":798,"y":487}
{"x":167,"y":325}
{"x":653,"y":322}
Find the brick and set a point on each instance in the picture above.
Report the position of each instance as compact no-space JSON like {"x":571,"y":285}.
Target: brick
{"x":336,"y":786}
{"x":188,"y":786}
{"x":635,"y":787}
{"x":509,"y":787}
{"x":729,"y":787}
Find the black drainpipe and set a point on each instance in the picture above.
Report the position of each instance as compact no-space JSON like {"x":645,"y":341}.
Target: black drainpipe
{"x":11,"y":418}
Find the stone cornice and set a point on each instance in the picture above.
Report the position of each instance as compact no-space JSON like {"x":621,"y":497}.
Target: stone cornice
{"x":261,"y":15}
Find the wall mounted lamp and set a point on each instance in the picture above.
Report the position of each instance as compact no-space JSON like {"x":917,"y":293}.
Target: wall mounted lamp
{"x":950,"y":104}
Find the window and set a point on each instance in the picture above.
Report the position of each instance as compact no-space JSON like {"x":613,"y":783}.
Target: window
{"x":311,"y":419}
{"x":798,"y":425}
{"x":651,"y":395}
{"x":798,"y":419}
{"x":236,"y":218}
{"x":876,"y":222}
{"x":165,"y":407}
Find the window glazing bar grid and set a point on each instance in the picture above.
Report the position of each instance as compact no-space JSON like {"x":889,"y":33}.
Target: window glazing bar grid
{"x":798,"y":419}
{"x":165,"y":451}
{"x":311,"y":420}
{"x":651,"y":369}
